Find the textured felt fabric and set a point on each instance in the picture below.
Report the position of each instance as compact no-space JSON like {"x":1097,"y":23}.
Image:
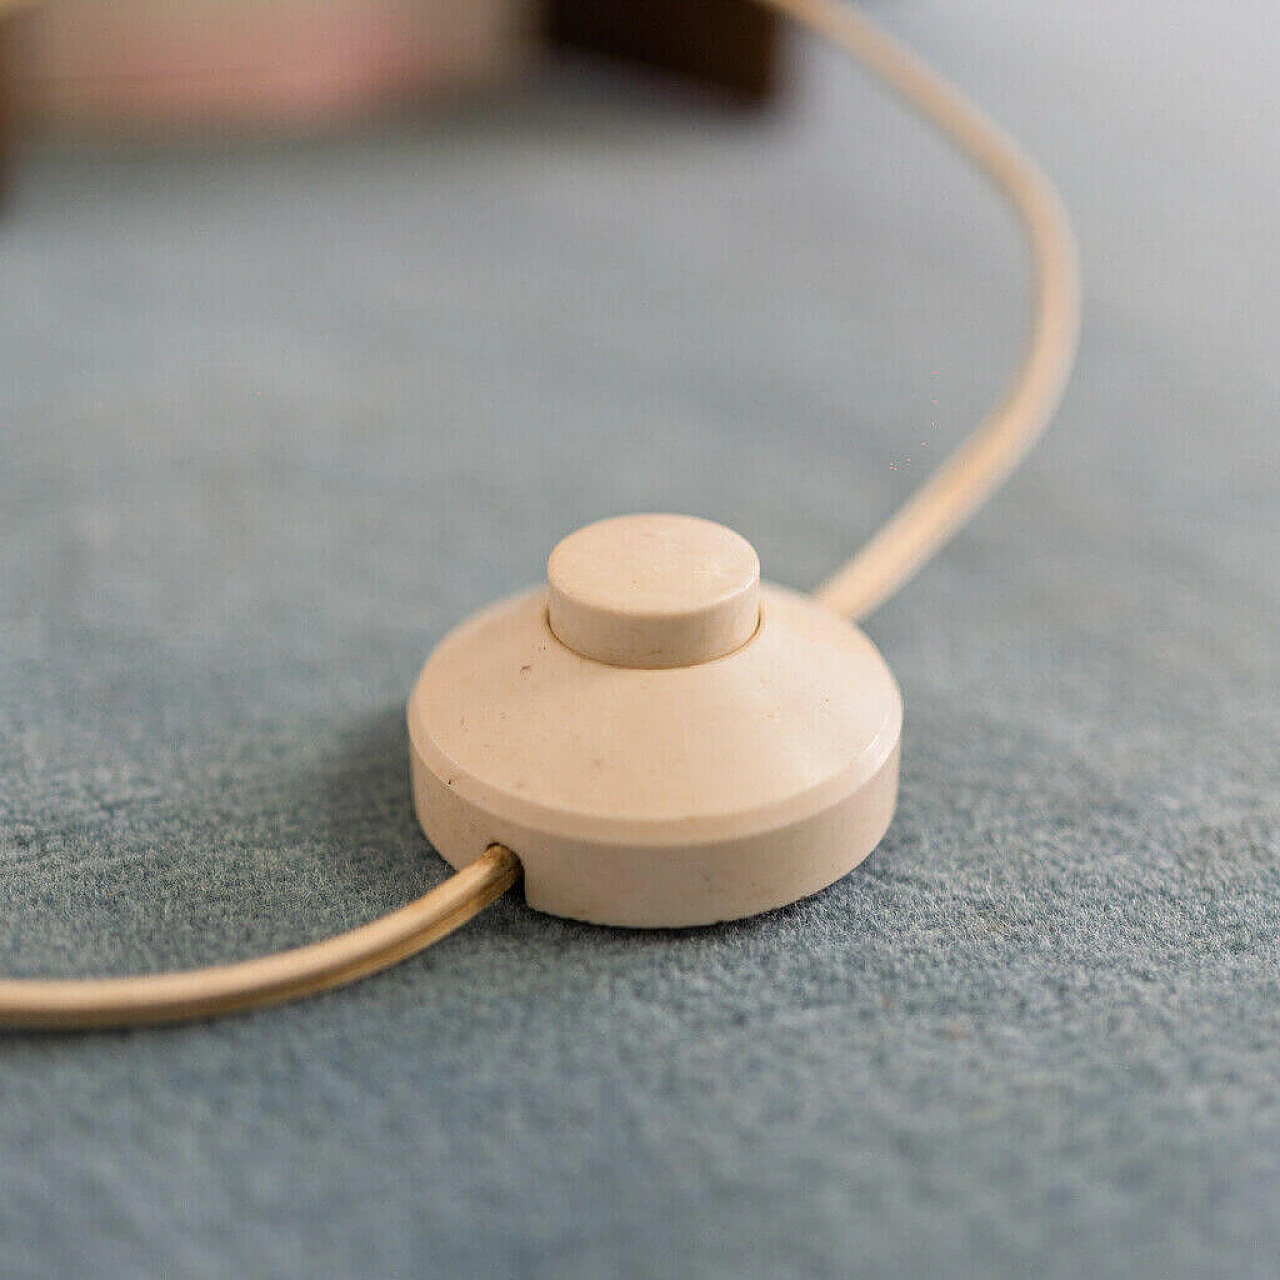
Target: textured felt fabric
{"x":274,"y":419}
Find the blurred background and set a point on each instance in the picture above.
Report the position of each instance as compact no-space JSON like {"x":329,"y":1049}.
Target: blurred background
{"x":113,"y":69}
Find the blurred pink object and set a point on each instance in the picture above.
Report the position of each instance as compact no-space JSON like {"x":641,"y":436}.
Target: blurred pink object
{"x":149,"y":66}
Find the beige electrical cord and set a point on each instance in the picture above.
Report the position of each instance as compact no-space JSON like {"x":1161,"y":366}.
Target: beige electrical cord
{"x":968,"y":478}
{"x":902,"y":546}
{"x":75,"y":1005}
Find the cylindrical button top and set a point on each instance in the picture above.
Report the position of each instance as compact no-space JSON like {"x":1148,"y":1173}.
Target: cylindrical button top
{"x":654,"y":591}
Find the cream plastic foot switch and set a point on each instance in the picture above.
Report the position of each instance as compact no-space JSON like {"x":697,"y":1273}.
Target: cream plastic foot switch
{"x":660,"y":737}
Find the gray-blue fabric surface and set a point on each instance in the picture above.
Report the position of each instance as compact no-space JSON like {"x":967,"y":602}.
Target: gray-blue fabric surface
{"x":273,"y":420}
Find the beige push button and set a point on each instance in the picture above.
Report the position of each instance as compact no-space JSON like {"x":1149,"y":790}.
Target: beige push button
{"x":654,"y":591}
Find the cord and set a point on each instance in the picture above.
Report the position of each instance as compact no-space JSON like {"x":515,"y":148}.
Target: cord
{"x":964,"y":482}
{"x":98,"y":1003}
{"x":910,"y":537}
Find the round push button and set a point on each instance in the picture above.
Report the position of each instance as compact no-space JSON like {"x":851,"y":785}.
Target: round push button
{"x":654,"y":591}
